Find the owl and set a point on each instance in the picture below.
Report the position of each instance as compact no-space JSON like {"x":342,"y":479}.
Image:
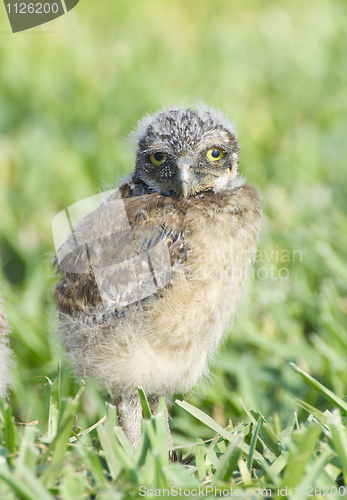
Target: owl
{"x":150,"y":279}
{"x":5,"y":355}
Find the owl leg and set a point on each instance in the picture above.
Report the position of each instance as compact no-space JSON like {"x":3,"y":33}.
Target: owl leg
{"x":129,"y":413}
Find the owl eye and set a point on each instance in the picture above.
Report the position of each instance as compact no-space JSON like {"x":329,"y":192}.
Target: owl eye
{"x":214,"y":154}
{"x":157,"y":158}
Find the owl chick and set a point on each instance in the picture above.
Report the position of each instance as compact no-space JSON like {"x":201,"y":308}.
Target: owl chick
{"x":152,"y":277}
{"x":5,"y":355}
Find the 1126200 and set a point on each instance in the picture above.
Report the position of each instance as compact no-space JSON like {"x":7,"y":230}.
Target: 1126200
{"x":31,"y":8}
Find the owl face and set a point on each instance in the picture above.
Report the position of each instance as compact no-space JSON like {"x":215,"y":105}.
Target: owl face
{"x":186,"y":151}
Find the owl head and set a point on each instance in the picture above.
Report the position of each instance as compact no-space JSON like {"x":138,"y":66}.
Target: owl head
{"x":186,"y":151}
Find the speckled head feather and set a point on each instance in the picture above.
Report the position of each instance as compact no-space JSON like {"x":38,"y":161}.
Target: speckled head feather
{"x":214,"y":117}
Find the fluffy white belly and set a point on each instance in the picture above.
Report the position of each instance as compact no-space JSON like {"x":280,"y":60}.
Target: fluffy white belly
{"x":195,"y":311}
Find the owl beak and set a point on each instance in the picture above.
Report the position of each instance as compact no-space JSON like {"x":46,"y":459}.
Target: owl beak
{"x":186,"y":182}
{"x":185,"y":177}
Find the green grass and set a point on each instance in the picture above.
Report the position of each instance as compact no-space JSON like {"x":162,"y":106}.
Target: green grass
{"x":69,"y":96}
{"x":246,"y":459}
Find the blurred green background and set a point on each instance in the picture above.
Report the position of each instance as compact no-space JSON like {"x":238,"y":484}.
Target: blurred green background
{"x":70,"y":93}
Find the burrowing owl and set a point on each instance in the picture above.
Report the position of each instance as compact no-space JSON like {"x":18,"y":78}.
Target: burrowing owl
{"x":153,"y":276}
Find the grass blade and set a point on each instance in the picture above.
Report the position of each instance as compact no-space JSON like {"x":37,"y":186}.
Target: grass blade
{"x":252,"y":445}
{"x":228,"y":462}
{"x":329,"y":395}
{"x":206,"y":419}
{"x":144,"y":402}
{"x":339,"y":435}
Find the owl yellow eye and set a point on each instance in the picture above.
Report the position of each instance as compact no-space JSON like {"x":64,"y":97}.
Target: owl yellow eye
{"x":214,"y":154}
{"x":157,"y":158}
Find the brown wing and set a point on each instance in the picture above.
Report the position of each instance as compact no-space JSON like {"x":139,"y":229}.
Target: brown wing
{"x":124,"y":251}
